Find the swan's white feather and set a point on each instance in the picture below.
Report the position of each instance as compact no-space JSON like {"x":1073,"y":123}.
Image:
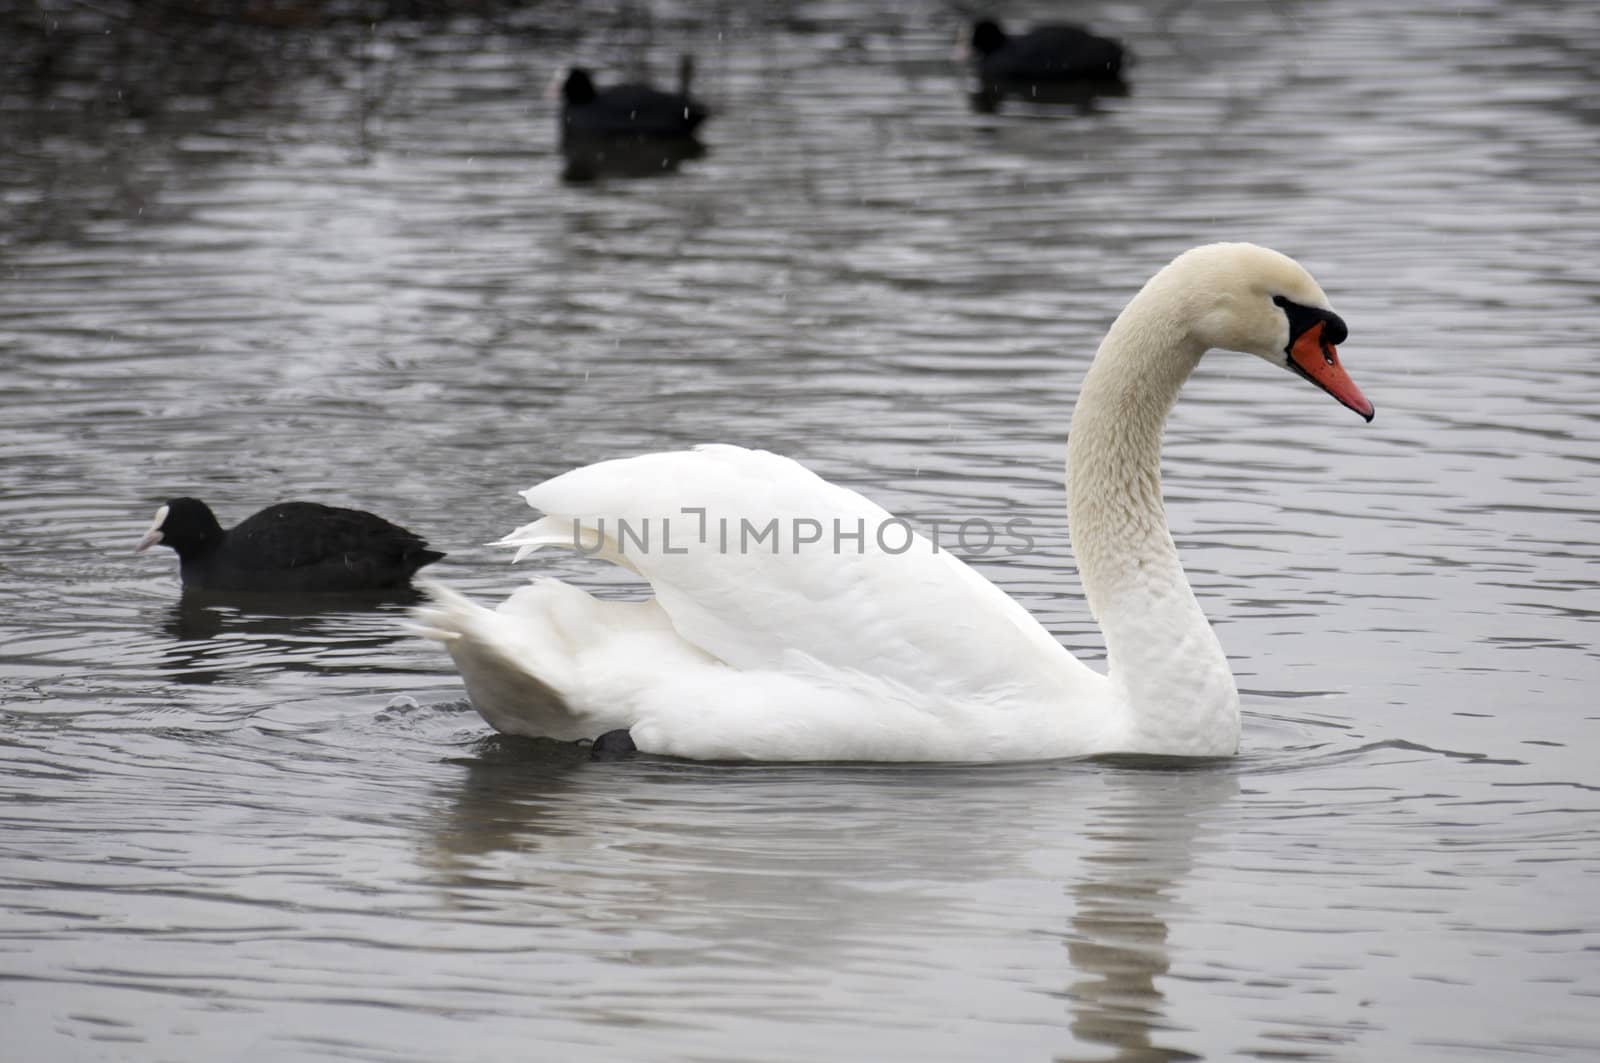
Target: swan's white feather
{"x":910,"y":614}
{"x":807,"y":653}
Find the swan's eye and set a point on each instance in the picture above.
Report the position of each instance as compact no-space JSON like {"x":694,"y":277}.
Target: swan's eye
{"x":1302,"y":317}
{"x":1334,"y":332}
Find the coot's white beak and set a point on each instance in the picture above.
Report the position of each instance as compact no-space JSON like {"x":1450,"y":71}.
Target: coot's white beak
{"x":153,"y":536}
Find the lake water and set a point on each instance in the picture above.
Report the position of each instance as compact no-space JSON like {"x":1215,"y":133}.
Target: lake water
{"x":342,"y":266}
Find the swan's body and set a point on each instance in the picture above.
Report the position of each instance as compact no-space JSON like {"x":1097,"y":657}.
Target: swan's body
{"x":763,"y":647}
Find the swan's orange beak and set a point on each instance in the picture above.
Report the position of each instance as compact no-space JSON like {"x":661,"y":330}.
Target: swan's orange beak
{"x":1313,"y":357}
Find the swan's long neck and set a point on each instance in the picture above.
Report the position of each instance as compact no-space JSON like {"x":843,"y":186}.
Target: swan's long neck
{"x":1164,"y":661}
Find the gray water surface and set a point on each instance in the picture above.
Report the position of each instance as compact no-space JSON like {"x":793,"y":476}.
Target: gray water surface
{"x":356,"y":276}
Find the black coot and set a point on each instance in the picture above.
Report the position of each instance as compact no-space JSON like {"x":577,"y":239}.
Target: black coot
{"x":290,"y":548}
{"x":1031,"y":63}
{"x":629,"y":111}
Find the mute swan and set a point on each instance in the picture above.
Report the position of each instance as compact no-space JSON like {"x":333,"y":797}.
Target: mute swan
{"x":820,"y":652}
{"x":292,"y":548}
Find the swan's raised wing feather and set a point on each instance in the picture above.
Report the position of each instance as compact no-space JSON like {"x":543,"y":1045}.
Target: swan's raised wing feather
{"x":719,"y":532}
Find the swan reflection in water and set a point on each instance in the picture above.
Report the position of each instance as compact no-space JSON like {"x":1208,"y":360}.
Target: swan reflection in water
{"x":1143,"y":839}
{"x":846,"y":869}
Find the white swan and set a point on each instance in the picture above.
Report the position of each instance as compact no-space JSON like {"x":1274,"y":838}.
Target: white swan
{"x":893,"y":653}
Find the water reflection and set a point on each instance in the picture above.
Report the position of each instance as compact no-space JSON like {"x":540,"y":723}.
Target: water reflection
{"x":216,"y":634}
{"x":1143,"y":842}
{"x":502,"y":799}
{"x":200,"y":614}
{"x":728,"y":855}
{"x":591,"y":158}
{"x":756,"y":856}
{"x":1082,"y":97}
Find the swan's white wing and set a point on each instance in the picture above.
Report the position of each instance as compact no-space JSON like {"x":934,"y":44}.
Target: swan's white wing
{"x":715,"y":532}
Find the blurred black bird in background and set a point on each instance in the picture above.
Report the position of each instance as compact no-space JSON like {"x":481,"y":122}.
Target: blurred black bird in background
{"x":632,"y":129}
{"x":1053,"y":63}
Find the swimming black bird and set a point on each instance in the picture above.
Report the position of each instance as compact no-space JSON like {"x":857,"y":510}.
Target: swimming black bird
{"x":631,"y":110}
{"x":289,"y":548}
{"x":1045,"y":55}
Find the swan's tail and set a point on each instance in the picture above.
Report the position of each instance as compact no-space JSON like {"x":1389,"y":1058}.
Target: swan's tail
{"x":554,"y":662}
{"x":516,"y":662}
